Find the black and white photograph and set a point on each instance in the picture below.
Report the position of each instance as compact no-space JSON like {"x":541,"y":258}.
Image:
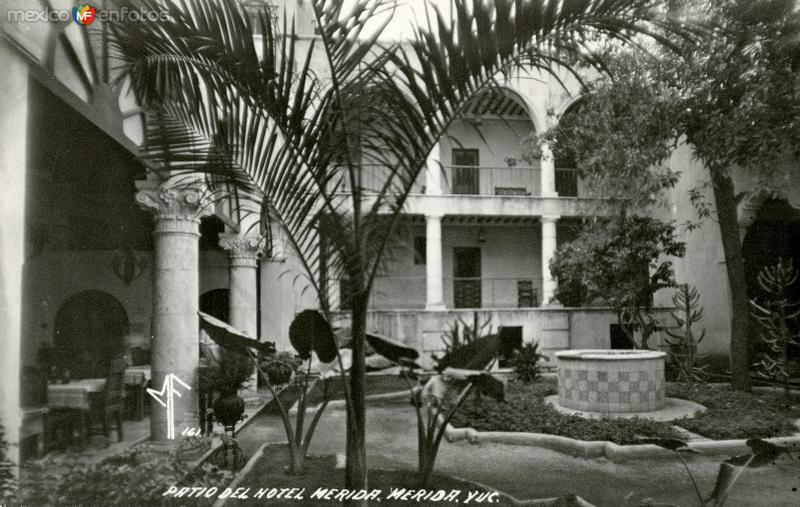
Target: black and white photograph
{"x":400,"y":253}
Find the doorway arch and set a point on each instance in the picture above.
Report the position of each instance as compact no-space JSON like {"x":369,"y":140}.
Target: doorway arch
{"x":89,"y":332}
{"x":774,"y":234}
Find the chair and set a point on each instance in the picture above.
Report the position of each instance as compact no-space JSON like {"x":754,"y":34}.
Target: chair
{"x":111,"y":405}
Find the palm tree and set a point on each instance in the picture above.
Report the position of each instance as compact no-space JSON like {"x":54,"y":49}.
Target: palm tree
{"x":255,"y":115}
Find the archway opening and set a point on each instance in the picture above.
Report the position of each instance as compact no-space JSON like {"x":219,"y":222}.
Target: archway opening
{"x":216,"y":303}
{"x":775,"y":234}
{"x":90,"y":331}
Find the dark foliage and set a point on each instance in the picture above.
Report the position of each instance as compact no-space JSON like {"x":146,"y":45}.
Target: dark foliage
{"x":525,"y":362}
{"x":474,"y":355}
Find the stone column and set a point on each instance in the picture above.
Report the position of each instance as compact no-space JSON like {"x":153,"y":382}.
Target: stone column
{"x":433,"y":174}
{"x":244,"y":252}
{"x":175,"y":348}
{"x":433,"y":263}
{"x":549,"y":246}
{"x":548,"y":172}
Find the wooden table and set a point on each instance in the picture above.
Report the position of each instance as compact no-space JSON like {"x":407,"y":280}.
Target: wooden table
{"x":76,"y":396}
{"x":136,"y":379}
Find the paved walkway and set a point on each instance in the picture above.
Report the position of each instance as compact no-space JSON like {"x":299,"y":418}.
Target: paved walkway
{"x":527,"y":472}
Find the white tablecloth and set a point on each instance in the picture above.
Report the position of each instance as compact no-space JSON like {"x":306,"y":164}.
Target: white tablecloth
{"x":75,"y":394}
{"x":137,"y":375}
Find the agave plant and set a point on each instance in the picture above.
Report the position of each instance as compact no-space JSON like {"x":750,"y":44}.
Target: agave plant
{"x":252,"y":113}
{"x":775,"y":317}
{"x":683,"y":343}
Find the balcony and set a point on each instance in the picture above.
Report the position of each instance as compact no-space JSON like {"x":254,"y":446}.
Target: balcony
{"x":483,"y":180}
{"x":392,"y":293}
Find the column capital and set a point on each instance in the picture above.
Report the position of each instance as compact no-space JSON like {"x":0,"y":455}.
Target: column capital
{"x":175,"y":205}
{"x":242,"y":248}
{"x":549,"y":218}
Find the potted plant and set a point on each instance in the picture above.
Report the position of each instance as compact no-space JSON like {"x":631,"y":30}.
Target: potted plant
{"x":280,"y":367}
{"x":226,"y":374}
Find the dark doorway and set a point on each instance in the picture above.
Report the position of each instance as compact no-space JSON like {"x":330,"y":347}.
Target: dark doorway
{"x":90,"y":331}
{"x":467,"y":277}
{"x":215,"y":303}
{"x":466,"y":175}
{"x":510,"y":340}
{"x":619,"y":338}
{"x":775,"y":234}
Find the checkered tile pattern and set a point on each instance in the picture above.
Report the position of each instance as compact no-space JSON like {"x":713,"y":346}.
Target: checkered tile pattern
{"x":637,"y":390}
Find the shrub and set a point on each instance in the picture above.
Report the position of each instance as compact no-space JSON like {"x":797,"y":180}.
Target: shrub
{"x":228,"y":371}
{"x":130,"y":478}
{"x":525,"y":362}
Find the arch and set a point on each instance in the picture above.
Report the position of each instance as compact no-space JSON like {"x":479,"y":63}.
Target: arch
{"x":773,"y":233}
{"x":89,"y":332}
{"x":539,"y":124}
{"x":566,"y":106}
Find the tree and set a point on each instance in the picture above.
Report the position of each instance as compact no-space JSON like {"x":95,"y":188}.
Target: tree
{"x":733,"y":95}
{"x":617,"y":261}
{"x":301,"y":140}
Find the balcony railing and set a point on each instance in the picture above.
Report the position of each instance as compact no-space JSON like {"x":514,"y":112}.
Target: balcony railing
{"x":373,"y":178}
{"x":485,"y":292}
{"x":468,"y":180}
{"x":483,"y":180}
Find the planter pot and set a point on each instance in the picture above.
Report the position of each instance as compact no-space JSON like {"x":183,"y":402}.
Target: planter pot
{"x":279,"y":374}
{"x":228,"y":408}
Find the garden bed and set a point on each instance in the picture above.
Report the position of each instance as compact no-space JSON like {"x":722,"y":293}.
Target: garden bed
{"x":730,"y":415}
{"x":269,"y":471}
{"x":132,"y":477}
{"x":733,"y":415}
{"x":525,"y":410}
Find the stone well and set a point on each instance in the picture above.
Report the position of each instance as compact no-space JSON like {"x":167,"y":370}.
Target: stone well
{"x":611,"y":381}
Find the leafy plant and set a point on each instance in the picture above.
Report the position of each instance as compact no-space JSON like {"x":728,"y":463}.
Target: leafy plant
{"x":775,"y":316}
{"x":683,"y":346}
{"x":473,"y":355}
{"x":617,"y":261}
{"x":763,"y":453}
{"x":459,"y":337}
{"x":525,"y":362}
{"x":227,"y":372}
{"x":433,"y":414}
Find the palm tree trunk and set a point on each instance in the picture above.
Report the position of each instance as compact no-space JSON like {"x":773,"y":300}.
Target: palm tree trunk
{"x":734,"y":263}
{"x":356,"y":471}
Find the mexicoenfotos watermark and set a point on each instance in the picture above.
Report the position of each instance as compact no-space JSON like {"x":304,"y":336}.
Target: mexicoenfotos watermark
{"x":84,"y":15}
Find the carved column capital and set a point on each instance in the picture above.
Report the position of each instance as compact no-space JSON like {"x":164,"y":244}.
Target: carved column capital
{"x":243,"y":250}
{"x":177,"y":208}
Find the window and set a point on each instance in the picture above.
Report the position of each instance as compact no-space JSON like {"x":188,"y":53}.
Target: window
{"x":419,"y":250}
{"x":466,"y":177}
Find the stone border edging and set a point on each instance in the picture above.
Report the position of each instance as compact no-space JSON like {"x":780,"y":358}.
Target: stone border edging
{"x":601,"y":448}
